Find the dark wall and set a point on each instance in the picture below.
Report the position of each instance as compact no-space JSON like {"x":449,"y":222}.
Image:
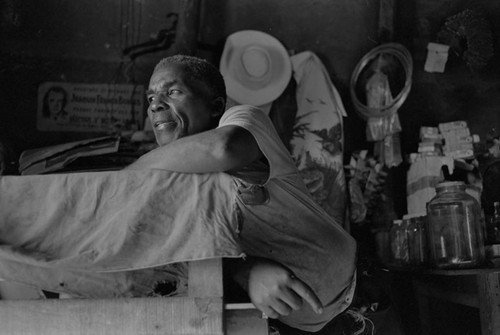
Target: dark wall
{"x":339,"y":32}
{"x":82,"y":41}
{"x":459,"y":93}
{"x":68,"y":41}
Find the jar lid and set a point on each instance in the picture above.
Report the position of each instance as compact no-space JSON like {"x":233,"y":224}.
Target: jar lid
{"x":449,"y":184}
{"x":414,"y":215}
{"x":397,"y":222}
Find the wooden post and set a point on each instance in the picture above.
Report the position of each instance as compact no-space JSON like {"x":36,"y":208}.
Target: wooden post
{"x":488,"y":285}
{"x":186,"y":40}
{"x":424,"y":306}
{"x":386,"y":21}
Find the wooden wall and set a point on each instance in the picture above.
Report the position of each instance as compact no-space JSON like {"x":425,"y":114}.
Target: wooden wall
{"x":81,"y":41}
{"x":68,"y":41}
{"x":458,"y":93}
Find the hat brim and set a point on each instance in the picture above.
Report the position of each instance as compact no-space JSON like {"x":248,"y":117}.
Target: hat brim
{"x":239,"y":85}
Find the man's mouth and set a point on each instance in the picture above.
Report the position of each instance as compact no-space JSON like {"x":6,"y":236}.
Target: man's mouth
{"x":164,"y":124}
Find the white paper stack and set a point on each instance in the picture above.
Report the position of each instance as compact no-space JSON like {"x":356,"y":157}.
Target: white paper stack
{"x":458,"y":141}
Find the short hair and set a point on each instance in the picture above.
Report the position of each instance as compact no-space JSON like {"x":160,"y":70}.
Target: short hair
{"x":198,"y":69}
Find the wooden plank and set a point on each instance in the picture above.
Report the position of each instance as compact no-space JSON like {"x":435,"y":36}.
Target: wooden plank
{"x":440,"y":272}
{"x":245,"y":322}
{"x":489,"y":303}
{"x":445,"y":293}
{"x":173,"y":316}
{"x":206,"y":278}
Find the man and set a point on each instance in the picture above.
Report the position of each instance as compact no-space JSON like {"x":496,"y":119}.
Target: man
{"x":187,"y":99}
{"x":220,"y":180}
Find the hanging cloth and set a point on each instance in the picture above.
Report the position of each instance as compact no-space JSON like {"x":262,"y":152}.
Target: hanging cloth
{"x":317,"y":142}
{"x":101,"y":234}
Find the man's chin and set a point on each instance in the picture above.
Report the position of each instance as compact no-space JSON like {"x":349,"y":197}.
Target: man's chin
{"x":164,"y":139}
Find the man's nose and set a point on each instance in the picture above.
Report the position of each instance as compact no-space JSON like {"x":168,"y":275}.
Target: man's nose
{"x":159,"y":105}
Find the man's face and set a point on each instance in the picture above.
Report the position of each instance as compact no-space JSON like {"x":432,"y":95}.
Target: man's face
{"x":56,"y":102}
{"x":177,"y":106}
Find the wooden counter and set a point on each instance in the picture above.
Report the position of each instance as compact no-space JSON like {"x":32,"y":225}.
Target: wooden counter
{"x":478,"y":288}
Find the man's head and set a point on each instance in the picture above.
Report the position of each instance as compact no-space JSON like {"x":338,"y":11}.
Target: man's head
{"x":186,"y":95}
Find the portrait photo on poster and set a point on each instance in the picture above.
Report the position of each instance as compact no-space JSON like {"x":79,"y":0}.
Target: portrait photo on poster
{"x":76,"y":107}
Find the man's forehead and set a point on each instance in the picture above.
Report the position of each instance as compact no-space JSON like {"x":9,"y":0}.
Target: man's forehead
{"x":161,"y":84}
{"x":171,"y":74}
{"x":168,"y":75}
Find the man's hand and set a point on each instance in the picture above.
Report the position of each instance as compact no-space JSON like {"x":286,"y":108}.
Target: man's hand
{"x":274,"y":289}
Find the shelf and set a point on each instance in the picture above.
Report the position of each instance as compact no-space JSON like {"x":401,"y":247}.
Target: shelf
{"x":441,"y":272}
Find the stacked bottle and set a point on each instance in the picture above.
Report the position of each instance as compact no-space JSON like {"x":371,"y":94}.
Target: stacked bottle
{"x":399,"y":243}
{"x":455,"y":231}
{"x":493,"y":225}
{"x":417,"y":239}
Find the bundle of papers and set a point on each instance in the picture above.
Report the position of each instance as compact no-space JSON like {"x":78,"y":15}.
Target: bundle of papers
{"x":54,"y":158}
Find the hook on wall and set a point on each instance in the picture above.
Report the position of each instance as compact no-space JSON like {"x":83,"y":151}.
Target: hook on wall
{"x":163,"y":40}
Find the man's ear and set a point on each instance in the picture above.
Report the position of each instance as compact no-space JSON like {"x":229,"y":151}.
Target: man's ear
{"x":219,"y":106}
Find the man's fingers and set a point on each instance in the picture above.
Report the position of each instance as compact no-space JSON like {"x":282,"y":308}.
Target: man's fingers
{"x":281,"y":307}
{"x":306,"y":293}
{"x":291,"y":298}
{"x":268,"y":311}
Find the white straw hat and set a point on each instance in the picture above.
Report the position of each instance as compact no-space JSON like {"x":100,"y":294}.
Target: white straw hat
{"x":255,"y":66}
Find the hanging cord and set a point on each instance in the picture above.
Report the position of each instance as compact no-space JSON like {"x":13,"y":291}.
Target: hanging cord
{"x":365,"y":324}
{"x":403,"y":55}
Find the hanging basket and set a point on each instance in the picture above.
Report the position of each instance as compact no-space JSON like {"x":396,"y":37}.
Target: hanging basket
{"x":469,"y":36}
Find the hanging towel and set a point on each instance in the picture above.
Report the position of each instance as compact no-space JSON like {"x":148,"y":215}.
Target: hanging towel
{"x":317,"y":143}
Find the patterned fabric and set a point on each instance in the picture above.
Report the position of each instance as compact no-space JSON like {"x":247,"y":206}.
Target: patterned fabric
{"x":318,"y":136}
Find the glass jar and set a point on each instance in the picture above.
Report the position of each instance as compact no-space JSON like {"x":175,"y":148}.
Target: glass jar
{"x":455,"y":232}
{"x":417,"y":239}
{"x":399,"y":243}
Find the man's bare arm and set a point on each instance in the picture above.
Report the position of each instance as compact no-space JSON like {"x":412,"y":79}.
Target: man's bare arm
{"x":217,"y":150}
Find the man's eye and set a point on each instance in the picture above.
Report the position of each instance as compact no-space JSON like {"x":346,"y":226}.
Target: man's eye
{"x":150,"y":98}
{"x":173,"y":91}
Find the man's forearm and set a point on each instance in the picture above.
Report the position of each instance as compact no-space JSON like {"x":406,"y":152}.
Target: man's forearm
{"x":216,"y":150}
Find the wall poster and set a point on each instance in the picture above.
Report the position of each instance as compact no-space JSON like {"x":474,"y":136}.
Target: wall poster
{"x":78,"y":107}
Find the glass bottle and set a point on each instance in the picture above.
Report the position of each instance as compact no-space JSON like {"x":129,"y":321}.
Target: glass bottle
{"x":399,"y":243}
{"x":455,"y":231}
{"x":417,"y":239}
{"x":493,"y":227}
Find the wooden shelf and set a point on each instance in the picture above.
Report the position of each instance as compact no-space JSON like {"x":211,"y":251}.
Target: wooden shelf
{"x":441,"y":272}
{"x":480,"y":290}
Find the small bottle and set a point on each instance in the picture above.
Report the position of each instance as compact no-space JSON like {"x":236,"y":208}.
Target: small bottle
{"x":417,"y":240}
{"x":399,"y":243}
{"x":494,"y":225}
